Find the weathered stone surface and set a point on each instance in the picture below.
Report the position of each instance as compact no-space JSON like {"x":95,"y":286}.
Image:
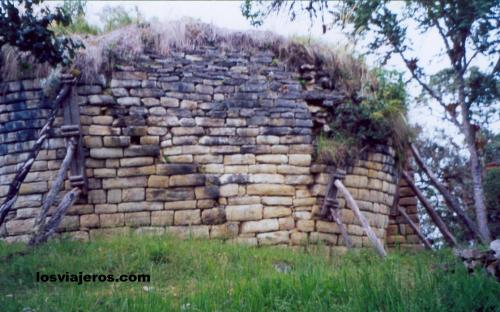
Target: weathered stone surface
{"x":136,"y":161}
{"x":136,"y":171}
{"x":213,"y":216}
{"x":157,"y":181}
{"x":103,"y":153}
{"x":174,"y":194}
{"x":182,"y":204}
{"x":270,"y":189}
{"x":137,"y":218}
{"x":277,"y":200}
{"x":272,"y":159}
{"x":111,"y":220}
{"x":187,"y":180}
{"x":266,"y":225}
{"x":17,"y":227}
{"x":162,"y":218}
{"x":299,"y":160}
{"x":244,"y":212}
{"x":175,"y":169}
{"x":276,"y":212}
{"x":185,"y":232}
{"x":207,"y":192}
{"x":133,"y":194}
{"x":273,"y":238}
{"x":187,"y":217}
{"x":125,"y":182}
{"x":139,"y":206}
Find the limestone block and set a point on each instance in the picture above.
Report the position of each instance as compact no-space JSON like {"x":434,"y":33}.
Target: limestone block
{"x":244,"y":200}
{"x":136,"y":171}
{"x":114,"y":196}
{"x":270,"y":189}
{"x":169,"y":102}
{"x":136,"y":161}
{"x":207,"y":192}
{"x":133,"y":194}
{"x":106,"y":208}
{"x":272,"y":159}
{"x":162,"y":218}
{"x":187,"y":180}
{"x":186,"y":232}
{"x":173,"y":194}
{"x":277,"y":212}
{"x":236,"y":169}
{"x":104,"y":173}
{"x":141,"y":150}
{"x":137,"y":218}
{"x":33,"y":188}
{"x":181,"y":204}
{"x":299,"y":159}
{"x":299,"y":238}
{"x":124,"y":182}
{"x":287,"y":169}
{"x":175,"y":169}
{"x":97,"y":197}
{"x":326,"y":238}
{"x":18,"y":227}
{"x":244,"y":212}
{"x":139,"y":206}
{"x":273,"y":238}
{"x":268,"y":139}
{"x":111,"y":220}
{"x":327,"y":227}
{"x":150,"y":230}
{"x":228,"y":190}
{"x":305,"y":225}
{"x":91,"y":141}
{"x":299,"y":179}
{"x":105,"y":152}
{"x":266,"y":178}
{"x":277,"y":200}
{"x":239,"y":159}
{"x":224,"y":231}
{"x":262,"y":168}
{"x":306,"y":201}
{"x":158,"y":181}
{"x":187,"y":217}
{"x":213,"y":216}
{"x":265,"y":225}
{"x":89,"y":221}
{"x":287,"y":223}
{"x":206,"y":203}
{"x":180,"y":159}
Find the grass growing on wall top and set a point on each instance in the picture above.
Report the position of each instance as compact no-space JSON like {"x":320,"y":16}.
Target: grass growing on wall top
{"x":213,"y":276}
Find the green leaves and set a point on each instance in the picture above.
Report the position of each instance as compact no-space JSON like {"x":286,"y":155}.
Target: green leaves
{"x":29,"y":31}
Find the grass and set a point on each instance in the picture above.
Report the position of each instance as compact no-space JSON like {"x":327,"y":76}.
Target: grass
{"x":213,"y":276}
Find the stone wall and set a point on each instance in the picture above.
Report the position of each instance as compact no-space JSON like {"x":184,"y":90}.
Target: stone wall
{"x":214,"y":144}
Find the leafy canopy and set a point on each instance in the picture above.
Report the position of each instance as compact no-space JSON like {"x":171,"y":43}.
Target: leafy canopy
{"x":29,"y":31}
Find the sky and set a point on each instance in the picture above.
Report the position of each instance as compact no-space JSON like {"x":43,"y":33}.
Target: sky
{"x":227,"y":14}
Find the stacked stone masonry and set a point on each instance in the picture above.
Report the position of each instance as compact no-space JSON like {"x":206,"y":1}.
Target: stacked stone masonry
{"x":211,"y":145}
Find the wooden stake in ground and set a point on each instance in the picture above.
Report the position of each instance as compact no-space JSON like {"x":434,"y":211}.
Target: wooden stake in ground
{"x":21,"y":174}
{"x":448,"y":198}
{"x":68,"y":200}
{"x":56,"y":186}
{"x":424,"y":240}
{"x":364,"y":223}
{"x":450,"y":239}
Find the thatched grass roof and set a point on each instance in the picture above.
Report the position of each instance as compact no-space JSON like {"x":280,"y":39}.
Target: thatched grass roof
{"x":347,"y":71}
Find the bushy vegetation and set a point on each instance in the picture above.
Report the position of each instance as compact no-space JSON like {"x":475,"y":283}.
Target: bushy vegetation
{"x":214,"y":276}
{"x":376,"y":114}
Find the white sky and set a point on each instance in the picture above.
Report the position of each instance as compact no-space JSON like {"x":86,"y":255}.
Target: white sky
{"x":227,"y":14}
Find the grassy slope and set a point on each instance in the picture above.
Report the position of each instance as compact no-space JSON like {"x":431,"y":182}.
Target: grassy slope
{"x":212,"y":276}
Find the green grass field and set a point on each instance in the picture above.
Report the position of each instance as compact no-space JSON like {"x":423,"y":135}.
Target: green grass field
{"x":213,"y":276}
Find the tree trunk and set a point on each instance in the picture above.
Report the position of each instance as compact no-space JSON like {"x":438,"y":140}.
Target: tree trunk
{"x":474,"y":163}
{"x":450,"y":201}
{"x":68,"y":200}
{"x":366,"y":226}
{"x":450,"y":239}
{"x":39,"y":226}
{"x":415,"y":228}
{"x":21,"y":174}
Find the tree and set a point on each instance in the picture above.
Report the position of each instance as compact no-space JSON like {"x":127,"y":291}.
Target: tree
{"x":29,"y":31}
{"x":468,"y":29}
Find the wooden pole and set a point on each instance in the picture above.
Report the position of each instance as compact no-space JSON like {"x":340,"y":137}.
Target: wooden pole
{"x":343,"y":230}
{"x":56,"y":186}
{"x":424,"y":240}
{"x":366,"y":226}
{"x":68,"y":200}
{"x":21,"y":174}
{"x":451,"y":202}
{"x":450,"y":239}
